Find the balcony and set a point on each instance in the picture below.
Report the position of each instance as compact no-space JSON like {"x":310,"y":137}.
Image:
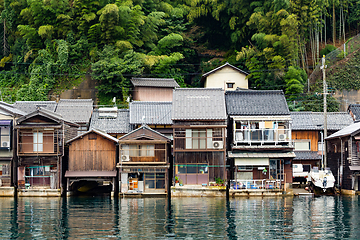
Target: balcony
{"x":262,"y":136}
{"x":39,"y":143}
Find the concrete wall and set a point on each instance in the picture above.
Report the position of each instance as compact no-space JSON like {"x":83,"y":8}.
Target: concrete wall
{"x":219,"y":79}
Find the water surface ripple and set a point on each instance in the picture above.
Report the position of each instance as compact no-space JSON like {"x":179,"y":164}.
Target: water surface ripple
{"x":326,"y":217}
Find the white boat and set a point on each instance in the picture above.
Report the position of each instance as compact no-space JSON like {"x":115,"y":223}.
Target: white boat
{"x":322,"y":179}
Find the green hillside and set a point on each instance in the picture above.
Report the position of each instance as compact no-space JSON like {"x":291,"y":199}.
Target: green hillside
{"x":49,"y":45}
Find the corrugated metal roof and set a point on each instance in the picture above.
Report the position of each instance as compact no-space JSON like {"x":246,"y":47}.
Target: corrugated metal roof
{"x":31,"y":106}
{"x":315,"y":120}
{"x":120,"y":124}
{"x":158,"y":113}
{"x":76,"y":110}
{"x":154,"y":82}
{"x":349,"y":130}
{"x":256,"y":103}
{"x":198,"y":104}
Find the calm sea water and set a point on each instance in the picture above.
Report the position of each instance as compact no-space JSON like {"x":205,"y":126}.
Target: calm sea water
{"x":325,"y":217}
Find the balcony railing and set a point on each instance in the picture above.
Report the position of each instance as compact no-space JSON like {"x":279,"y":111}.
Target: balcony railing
{"x":260,"y":136}
{"x":255,"y":184}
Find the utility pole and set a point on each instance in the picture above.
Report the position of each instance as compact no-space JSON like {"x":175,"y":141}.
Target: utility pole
{"x":325,"y":110}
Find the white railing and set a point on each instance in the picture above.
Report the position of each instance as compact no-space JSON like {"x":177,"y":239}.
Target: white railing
{"x":262,"y":135}
{"x":255,"y":184}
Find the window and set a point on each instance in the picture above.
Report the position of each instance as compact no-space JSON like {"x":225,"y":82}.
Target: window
{"x":303,"y":145}
{"x":154,"y":181}
{"x":38,"y":141}
{"x":5,"y":136}
{"x":192,"y":169}
{"x":230,"y":85}
{"x":139,"y":150}
{"x":203,"y":138}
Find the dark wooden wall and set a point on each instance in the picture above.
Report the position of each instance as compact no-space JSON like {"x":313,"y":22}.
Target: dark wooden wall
{"x":215,"y":160}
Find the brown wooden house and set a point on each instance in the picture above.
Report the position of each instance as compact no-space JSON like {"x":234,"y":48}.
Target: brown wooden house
{"x":91,"y":163}
{"x":144,"y":165}
{"x":259,"y":139}
{"x":199,"y":118}
{"x":307,"y":135}
{"x":41,"y":138}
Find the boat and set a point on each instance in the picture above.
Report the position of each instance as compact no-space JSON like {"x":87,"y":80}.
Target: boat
{"x":322,"y":181}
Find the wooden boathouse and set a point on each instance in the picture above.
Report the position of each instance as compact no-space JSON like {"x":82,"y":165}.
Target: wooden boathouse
{"x":91,"y":167}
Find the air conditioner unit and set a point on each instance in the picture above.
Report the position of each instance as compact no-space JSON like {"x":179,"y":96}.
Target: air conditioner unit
{"x":5,"y":144}
{"x":125,"y":158}
{"x":282,"y":137}
{"x":218,"y":144}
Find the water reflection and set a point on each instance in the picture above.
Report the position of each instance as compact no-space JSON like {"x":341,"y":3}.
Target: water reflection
{"x":325,"y":217}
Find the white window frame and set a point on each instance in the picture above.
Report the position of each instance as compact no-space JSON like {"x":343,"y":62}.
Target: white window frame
{"x":38,"y":141}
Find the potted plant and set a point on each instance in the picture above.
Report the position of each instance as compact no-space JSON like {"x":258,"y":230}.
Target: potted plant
{"x":177,"y":180}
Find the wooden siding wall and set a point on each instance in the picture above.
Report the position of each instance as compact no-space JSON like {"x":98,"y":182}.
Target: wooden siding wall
{"x":334,"y":162}
{"x":313,"y":136}
{"x":92,"y":154}
{"x":153,"y":94}
{"x":215,"y":160}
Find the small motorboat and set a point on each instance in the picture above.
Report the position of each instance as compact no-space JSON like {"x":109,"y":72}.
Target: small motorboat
{"x":322,"y":181}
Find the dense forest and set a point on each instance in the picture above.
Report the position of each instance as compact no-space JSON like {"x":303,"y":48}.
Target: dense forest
{"x":48,"y":46}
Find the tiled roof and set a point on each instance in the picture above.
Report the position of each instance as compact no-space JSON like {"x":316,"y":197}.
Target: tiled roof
{"x":105,"y":135}
{"x":198,"y":104}
{"x":120,"y":124}
{"x":154,"y":82}
{"x":31,"y":106}
{"x":11,"y":109}
{"x":346,"y":131}
{"x":222,"y":66}
{"x":150,"y":113}
{"x":355,"y":109}
{"x":307,"y":155}
{"x":256,"y":103}
{"x":143,"y":127}
{"x":76,"y":110}
{"x":315,"y":120}
{"x":47,"y":113}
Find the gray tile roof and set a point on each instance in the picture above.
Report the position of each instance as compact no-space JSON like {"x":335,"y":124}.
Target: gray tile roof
{"x":355,"y":109}
{"x":120,"y":124}
{"x":11,"y":109}
{"x":158,"y":113}
{"x":31,"y":106}
{"x":222,"y":66}
{"x":347,"y":131}
{"x":47,"y":113}
{"x":144,"y":127}
{"x":154,"y":82}
{"x":307,"y":155}
{"x":75,"y":110}
{"x":198,"y":104}
{"x":256,"y":103}
{"x":315,"y":120}
{"x":105,"y":135}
